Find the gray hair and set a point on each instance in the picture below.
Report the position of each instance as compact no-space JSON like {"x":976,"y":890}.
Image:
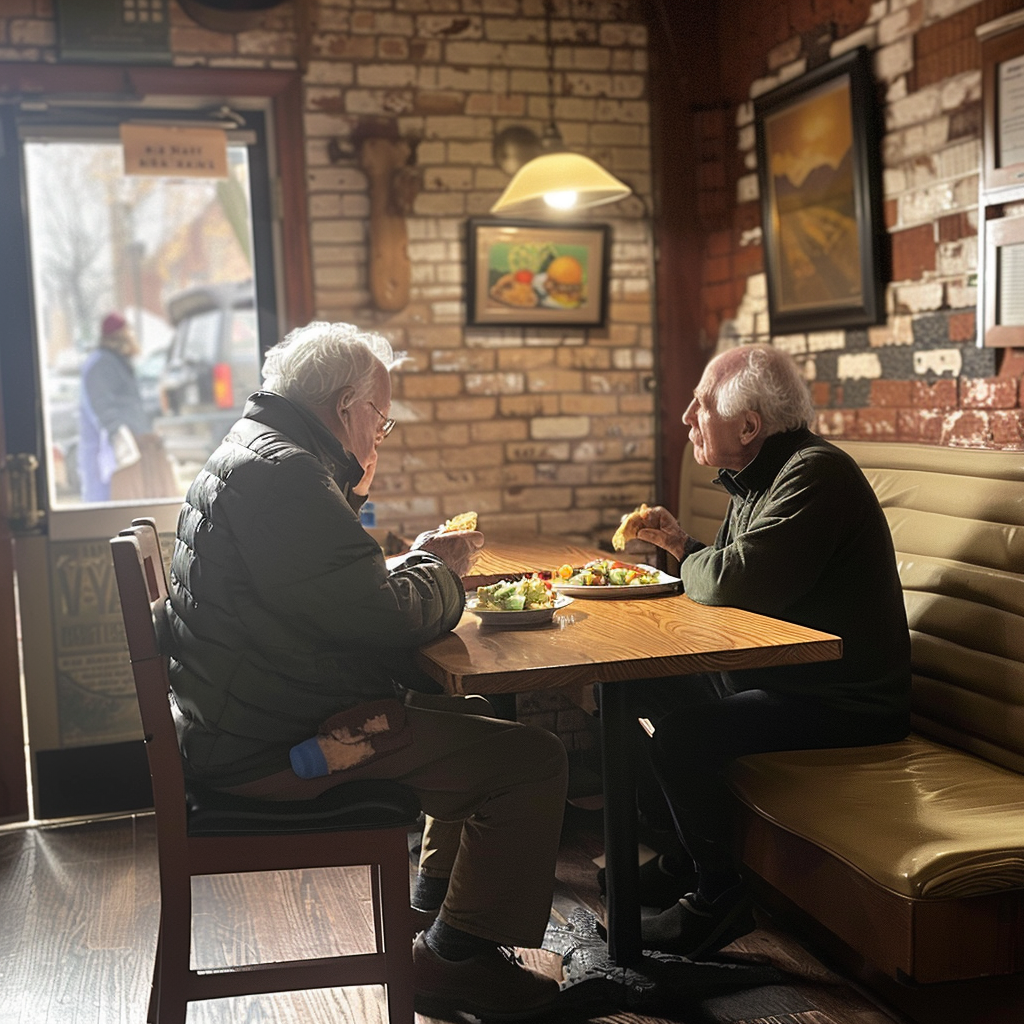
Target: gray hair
{"x":770,"y":383}
{"x":313,"y":363}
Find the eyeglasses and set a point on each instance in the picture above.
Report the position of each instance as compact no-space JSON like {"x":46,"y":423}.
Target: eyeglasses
{"x":387,"y":426}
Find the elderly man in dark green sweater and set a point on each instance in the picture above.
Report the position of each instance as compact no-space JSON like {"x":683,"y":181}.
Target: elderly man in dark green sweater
{"x":804,"y":540}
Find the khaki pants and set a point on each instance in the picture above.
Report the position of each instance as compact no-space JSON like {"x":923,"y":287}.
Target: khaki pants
{"x":494,"y":793}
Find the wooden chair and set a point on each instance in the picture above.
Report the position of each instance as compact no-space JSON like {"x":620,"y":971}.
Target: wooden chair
{"x":202,"y":832}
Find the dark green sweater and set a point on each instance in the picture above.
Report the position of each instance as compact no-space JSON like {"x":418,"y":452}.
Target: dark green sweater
{"x":806,"y":541}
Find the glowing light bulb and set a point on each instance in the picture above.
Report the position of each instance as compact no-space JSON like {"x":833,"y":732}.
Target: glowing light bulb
{"x":560,"y":200}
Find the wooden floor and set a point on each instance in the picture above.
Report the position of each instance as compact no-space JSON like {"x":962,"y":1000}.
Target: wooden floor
{"x":78,"y":917}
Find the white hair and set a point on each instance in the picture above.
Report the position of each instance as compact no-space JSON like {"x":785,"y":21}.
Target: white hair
{"x":313,"y":363}
{"x":770,"y":383}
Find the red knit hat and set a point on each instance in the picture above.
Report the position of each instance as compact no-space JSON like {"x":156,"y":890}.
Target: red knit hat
{"x":112,"y":323}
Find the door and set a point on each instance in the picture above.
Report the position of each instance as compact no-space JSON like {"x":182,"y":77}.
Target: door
{"x":136,"y":310}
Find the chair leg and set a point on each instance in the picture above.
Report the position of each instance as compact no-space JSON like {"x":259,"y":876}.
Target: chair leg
{"x":390,"y":882}
{"x":153,"y":1011}
{"x":172,"y":978}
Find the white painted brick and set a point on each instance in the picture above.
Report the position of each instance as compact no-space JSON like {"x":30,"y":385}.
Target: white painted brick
{"x":925,"y":204}
{"x":325,"y":72}
{"x":894,"y":181}
{"x":919,"y":298}
{"x":750,"y":160}
{"x":752,"y":236}
{"x":746,"y":138}
{"x":917,"y":107}
{"x":762,"y":85}
{"x":959,"y":159}
{"x":744,"y":321}
{"x":892,"y":61}
{"x":794,"y":344}
{"x":894,"y":26}
{"x":746,"y":188}
{"x":791,"y":71}
{"x":784,"y":53}
{"x":859,"y":366}
{"x":962,"y":89}
{"x":867,"y":36}
{"x":386,"y":75}
{"x":823,"y":341}
{"x":757,"y":286}
{"x":939,"y":361}
{"x":744,"y":114}
{"x":878,"y":11}
{"x":957,"y":258}
{"x":897,"y":90}
{"x":960,"y":295}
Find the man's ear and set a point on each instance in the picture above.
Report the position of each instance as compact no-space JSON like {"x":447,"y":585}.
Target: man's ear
{"x":344,"y":399}
{"x":750,"y":428}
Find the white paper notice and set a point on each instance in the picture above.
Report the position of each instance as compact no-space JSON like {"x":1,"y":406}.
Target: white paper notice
{"x":1011,"y":112}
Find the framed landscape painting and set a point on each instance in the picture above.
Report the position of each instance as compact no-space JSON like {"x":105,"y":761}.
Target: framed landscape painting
{"x":819,"y":178}
{"x":536,"y":274}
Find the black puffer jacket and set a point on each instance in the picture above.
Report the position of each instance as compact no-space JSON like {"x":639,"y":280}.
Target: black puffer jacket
{"x":283,"y":610}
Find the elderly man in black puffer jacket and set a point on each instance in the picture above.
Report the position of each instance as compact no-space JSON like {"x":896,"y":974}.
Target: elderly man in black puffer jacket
{"x":285,"y":612}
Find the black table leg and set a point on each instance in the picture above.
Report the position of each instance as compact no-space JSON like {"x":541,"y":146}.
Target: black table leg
{"x":622,"y":881}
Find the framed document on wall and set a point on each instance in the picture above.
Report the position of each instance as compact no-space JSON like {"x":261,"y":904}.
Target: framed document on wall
{"x":1000,"y":226}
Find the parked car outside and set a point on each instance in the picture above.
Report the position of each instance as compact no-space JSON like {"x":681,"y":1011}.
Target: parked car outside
{"x":212,"y":367}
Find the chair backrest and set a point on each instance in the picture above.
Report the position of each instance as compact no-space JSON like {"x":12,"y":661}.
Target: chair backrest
{"x":142,"y":586}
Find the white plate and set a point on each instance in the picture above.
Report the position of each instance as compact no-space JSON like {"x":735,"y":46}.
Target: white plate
{"x":516,"y":620}
{"x":666,"y":585}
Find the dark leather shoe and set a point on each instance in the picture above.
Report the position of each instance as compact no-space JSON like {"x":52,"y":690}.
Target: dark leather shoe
{"x":493,"y":985}
{"x":694,"y":927}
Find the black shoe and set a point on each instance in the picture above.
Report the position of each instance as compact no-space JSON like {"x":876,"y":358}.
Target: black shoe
{"x":494,"y":985}
{"x":694,"y":927}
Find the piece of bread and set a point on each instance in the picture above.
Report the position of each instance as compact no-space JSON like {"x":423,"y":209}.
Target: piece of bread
{"x":463,"y":521}
{"x":631,"y":523}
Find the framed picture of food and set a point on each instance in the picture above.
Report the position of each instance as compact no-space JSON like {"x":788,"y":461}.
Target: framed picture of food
{"x":536,"y":273}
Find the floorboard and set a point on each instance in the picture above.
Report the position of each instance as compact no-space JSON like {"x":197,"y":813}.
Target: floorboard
{"x":79,"y":907}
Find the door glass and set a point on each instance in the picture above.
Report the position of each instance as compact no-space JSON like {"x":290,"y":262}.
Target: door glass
{"x":144,"y":313}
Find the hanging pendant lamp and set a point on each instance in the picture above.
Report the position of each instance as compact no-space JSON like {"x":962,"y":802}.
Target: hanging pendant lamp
{"x":557,"y":181}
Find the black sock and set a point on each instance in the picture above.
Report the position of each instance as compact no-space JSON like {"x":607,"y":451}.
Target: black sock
{"x":452,"y":944}
{"x":428,"y":893}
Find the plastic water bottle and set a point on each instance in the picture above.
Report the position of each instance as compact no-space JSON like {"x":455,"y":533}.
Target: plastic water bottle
{"x":368,"y":514}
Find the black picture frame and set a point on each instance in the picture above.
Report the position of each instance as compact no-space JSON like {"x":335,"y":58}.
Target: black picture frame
{"x":818,"y":166}
{"x":498,"y":250}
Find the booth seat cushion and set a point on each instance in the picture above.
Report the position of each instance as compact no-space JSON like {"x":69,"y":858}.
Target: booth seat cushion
{"x":918,"y":818}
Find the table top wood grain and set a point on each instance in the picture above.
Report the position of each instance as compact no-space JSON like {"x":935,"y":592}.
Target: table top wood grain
{"x":607,"y":640}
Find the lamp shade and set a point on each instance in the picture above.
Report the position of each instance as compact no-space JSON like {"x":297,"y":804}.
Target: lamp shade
{"x":559,"y":181}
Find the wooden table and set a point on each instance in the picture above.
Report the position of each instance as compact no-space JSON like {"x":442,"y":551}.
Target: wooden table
{"x":609,"y":643}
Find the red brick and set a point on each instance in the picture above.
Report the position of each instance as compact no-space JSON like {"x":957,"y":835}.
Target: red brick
{"x":890,"y":393}
{"x":954,"y":226}
{"x":748,"y":260}
{"x":967,"y":428}
{"x":837,"y":423}
{"x":963,"y":326}
{"x":988,"y":393}
{"x":746,"y":216}
{"x":717,"y":296}
{"x":913,"y":253}
{"x":1012,"y":363}
{"x":711,"y":174}
{"x":876,"y":424}
{"x":1008,"y":427}
{"x":921,"y":425}
{"x":891,"y":213}
{"x":716,"y":268}
{"x":942,"y":394}
{"x":719,"y":243}
{"x":821,"y":393}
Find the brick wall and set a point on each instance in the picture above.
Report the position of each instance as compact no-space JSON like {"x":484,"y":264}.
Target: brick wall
{"x":920,"y":376}
{"x":549,"y":429}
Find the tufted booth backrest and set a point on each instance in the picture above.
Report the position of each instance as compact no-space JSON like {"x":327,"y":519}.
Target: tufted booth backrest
{"x":957,"y":522}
